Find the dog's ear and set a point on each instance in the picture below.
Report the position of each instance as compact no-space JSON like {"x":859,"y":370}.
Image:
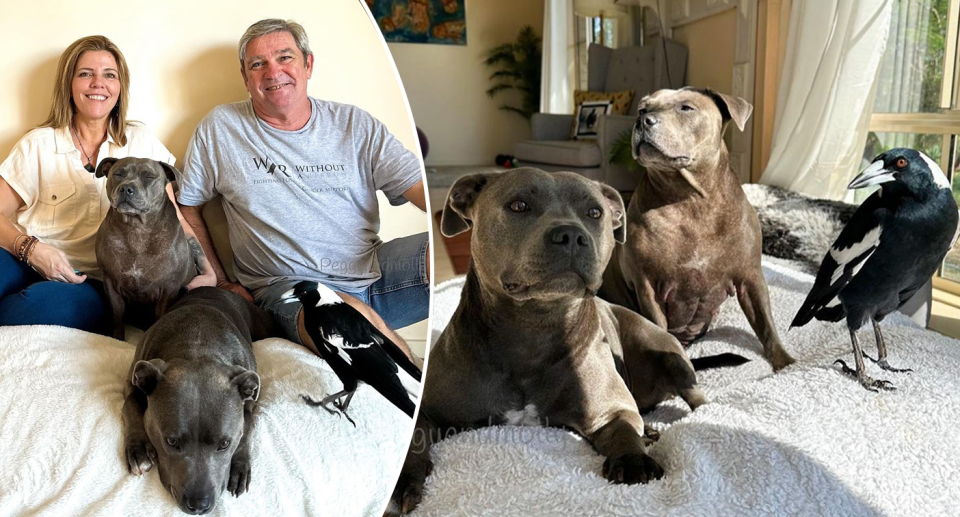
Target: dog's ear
{"x":731,"y":107}
{"x":105,"y":165}
{"x":146,"y":374}
{"x":169,"y":170}
{"x":618,"y":213}
{"x":248,"y":383}
{"x":458,"y":209}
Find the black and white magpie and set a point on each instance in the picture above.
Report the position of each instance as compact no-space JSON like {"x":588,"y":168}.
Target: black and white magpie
{"x":891,"y":247}
{"x":355,"y":350}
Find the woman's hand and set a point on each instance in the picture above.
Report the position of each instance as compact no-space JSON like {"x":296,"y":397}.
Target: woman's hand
{"x":53,"y":265}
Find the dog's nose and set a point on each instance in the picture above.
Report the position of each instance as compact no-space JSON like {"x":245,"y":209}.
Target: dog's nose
{"x":198,"y":505}
{"x":650,"y":120}
{"x":568,"y":236}
{"x":128,"y":190}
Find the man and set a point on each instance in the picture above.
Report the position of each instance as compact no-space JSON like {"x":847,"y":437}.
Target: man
{"x":299,"y":177}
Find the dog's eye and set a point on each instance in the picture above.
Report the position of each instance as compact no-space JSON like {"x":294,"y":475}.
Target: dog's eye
{"x":519,"y":206}
{"x":901,"y":163}
{"x":686,"y":107}
{"x":595,"y":213}
{"x":223,"y":445}
{"x":173,"y":442}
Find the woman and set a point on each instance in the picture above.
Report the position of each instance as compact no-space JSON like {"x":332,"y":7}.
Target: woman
{"x":51,"y":205}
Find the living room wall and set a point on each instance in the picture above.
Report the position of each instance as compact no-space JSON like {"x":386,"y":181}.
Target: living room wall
{"x":183,"y":61}
{"x":182,"y":66}
{"x":710,"y":42}
{"x":446,"y":83}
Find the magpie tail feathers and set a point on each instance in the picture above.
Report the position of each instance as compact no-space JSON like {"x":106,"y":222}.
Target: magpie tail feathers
{"x":806,"y":313}
{"x":718,"y":361}
{"x":813,"y":309}
{"x":832,"y":314}
{"x":392,"y":389}
{"x":399,"y":357}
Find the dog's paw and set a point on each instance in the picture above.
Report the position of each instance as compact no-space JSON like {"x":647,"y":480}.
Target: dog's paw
{"x":780,"y":359}
{"x":140,"y":455}
{"x":650,"y":435}
{"x":631,"y":469}
{"x":239,"y":476}
{"x":407,"y":494}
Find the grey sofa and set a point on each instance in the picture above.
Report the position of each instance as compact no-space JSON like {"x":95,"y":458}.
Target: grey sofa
{"x":643,"y":69}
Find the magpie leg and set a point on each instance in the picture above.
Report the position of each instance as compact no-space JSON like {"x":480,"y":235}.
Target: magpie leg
{"x":342,"y":406}
{"x":329,"y":399}
{"x":881,"y":359}
{"x":860,"y":372}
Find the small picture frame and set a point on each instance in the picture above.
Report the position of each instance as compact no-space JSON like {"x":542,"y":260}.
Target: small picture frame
{"x":587,"y":118}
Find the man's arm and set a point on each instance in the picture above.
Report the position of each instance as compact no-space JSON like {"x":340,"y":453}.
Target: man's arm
{"x":194,"y":217}
{"x":206,"y":277}
{"x":416,"y":195}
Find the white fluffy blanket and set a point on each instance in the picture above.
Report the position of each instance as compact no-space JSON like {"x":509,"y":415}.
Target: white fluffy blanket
{"x":806,"y":441}
{"x":61,"y":391}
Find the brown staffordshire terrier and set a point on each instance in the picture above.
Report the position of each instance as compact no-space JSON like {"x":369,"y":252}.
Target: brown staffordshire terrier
{"x":530,"y":343}
{"x":692,"y":237}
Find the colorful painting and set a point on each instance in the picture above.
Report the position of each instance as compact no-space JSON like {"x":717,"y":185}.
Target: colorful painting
{"x":421,"y":21}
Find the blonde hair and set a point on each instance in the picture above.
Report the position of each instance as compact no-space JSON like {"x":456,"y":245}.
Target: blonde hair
{"x":63,"y":108}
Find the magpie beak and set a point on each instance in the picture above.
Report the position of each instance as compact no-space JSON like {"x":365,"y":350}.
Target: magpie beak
{"x":875,"y":174}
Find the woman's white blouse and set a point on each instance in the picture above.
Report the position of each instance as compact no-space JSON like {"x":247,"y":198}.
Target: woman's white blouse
{"x":65,"y":204}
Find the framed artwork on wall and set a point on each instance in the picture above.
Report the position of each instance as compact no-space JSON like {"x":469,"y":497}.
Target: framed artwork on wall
{"x":421,"y":21}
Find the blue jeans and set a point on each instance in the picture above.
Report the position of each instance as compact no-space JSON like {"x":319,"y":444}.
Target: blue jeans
{"x":401,"y":296}
{"x":27,"y":299}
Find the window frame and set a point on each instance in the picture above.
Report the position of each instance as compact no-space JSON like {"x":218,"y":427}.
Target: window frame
{"x":946,"y":122}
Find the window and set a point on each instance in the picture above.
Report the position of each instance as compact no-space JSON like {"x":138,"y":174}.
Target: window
{"x":917,"y":101}
{"x":599,"y":30}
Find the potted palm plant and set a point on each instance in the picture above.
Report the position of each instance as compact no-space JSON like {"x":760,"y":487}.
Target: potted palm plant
{"x":518,"y":68}
{"x":621,"y":152}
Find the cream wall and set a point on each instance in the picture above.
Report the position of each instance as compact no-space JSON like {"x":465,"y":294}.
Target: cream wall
{"x":710,"y":42}
{"x":446,"y":85}
{"x":183,"y":61}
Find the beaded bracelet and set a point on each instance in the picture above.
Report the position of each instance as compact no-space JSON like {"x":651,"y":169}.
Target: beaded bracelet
{"x":22,"y":247}
{"x":33,"y":244}
{"x":17,"y":240}
{"x":26,"y":247}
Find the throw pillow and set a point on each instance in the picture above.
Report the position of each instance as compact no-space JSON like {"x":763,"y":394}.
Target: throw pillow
{"x":586,"y":118}
{"x":620,"y":103}
{"x":621,"y":100}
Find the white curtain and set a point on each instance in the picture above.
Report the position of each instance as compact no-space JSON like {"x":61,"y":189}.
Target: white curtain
{"x":559,"y":59}
{"x":826,"y":94}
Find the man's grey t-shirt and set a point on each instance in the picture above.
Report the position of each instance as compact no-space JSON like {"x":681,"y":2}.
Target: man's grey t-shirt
{"x":300,"y":204}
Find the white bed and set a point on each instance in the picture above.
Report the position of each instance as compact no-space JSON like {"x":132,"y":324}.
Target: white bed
{"x":61,"y":391}
{"x":806,"y":441}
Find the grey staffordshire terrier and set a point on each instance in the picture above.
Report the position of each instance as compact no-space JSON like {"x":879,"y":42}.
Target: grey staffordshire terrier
{"x":191,"y":395}
{"x":145,"y":256}
{"x":692,"y":237}
{"x":530,"y":343}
